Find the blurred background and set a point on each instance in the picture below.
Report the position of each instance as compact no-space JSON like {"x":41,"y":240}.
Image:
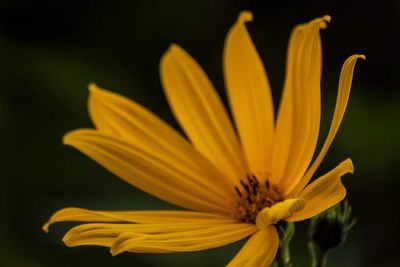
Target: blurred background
{"x":51,"y":50}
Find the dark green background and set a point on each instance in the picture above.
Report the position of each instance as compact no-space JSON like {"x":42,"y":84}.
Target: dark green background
{"x":51,"y":50}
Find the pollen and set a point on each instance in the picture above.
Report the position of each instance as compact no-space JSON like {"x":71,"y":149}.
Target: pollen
{"x":252,"y":197}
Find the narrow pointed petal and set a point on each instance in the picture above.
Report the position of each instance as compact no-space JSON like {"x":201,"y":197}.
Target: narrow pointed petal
{"x":259,"y":251}
{"x":299,"y":113}
{"x":95,"y":234}
{"x":200,"y":112}
{"x":105,"y":234}
{"x":249,"y":95}
{"x":166,"y":178}
{"x":324,"y":192}
{"x":150,"y":217}
{"x":279,"y":211}
{"x":345,"y":80}
{"x":118,"y":116}
{"x":206,"y":237}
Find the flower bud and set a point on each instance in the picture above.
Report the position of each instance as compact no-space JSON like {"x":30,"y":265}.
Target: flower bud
{"x":329,"y":229}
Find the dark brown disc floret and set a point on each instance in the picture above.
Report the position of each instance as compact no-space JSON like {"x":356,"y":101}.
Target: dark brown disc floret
{"x":252,"y":197}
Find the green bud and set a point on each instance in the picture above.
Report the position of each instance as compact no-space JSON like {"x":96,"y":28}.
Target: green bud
{"x":329,"y":230}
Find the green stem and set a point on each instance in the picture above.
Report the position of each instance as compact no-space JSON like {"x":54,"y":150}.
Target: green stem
{"x":318,"y":257}
{"x":283,"y":257}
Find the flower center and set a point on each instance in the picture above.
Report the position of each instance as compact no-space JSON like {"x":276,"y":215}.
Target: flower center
{"x":252,"y":197}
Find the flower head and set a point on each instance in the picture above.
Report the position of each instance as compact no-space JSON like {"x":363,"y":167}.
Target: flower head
{"x":236,"y":184}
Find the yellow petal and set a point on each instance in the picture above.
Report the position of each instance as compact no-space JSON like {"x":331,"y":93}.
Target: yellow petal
{"x":200,"y":112}
{"x":346,"y":77}
{"x":155,"y":174}
{"x":259,"y":251}
{"x":324,"y":192}
{"x":249,"y":95}
{"x":206,"y":237}
{"x":93,"y":234}
{"x":118,"y":116}
{"x":153,"y":217}
{"x":105,"y":234}
{"x":279,"y":211}
{"x":299,"y":113}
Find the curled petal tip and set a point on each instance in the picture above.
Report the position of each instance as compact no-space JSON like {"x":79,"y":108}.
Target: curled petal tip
{"x":69,"y":136}
{"x":92,"y":87}
{"x":65,"y":139}
{"x":353,"y":58}
{"x":45,"y":227}
{"x":322,"y":22}
{"x":68,"y":244}
{"x":69,"y":240}
{"x":245,"y":16}
{"x":347,"y":165}
{"x":351,"y":166}
{"x":327,"y":18}
{"x":114,"y":251}
{"x":173,"y":47}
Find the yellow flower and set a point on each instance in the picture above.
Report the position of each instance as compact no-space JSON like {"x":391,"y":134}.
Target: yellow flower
{"x":237,"y":184}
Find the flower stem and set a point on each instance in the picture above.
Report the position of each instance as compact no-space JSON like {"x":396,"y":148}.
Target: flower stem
{"x":318,"y":257}
{"x":286,"y":232}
